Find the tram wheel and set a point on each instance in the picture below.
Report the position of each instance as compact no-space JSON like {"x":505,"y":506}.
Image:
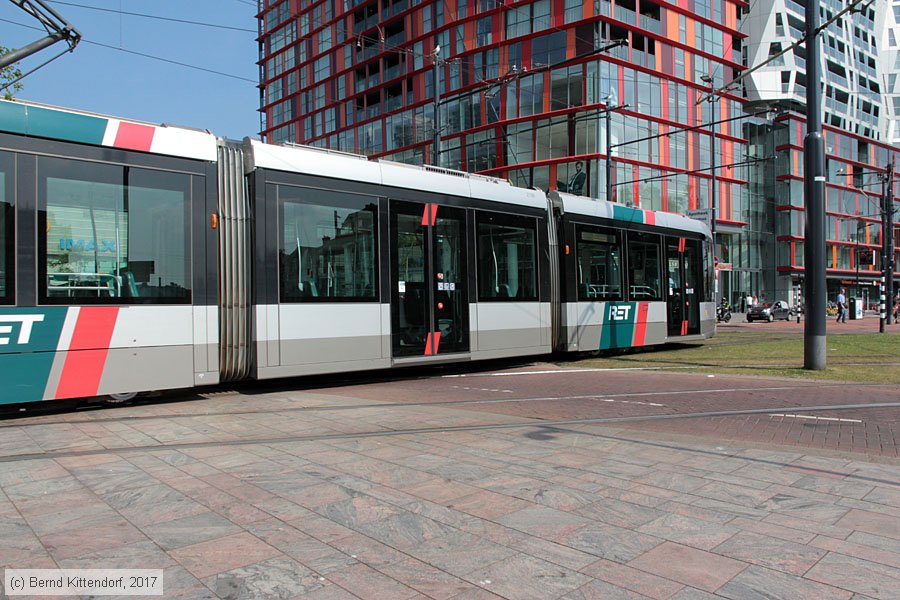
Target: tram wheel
{"x":120,"y":398}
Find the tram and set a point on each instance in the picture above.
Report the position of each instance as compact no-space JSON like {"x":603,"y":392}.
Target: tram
{"x":138,"y":257}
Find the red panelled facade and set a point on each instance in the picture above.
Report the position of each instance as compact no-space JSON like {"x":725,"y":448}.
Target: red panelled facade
{"x":522,"y":87}
{"x":857,"y":169}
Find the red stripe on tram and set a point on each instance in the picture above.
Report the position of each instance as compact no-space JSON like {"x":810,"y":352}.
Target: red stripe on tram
{"x":428,"y":345}
{"x":681,"y":243}
{"x":437,"y":341}
{"x":650,"y":217}
{"x":640,"y":326}
{"x":429,"y":214}
{"x":684,"y":327}
{"x":134,"y":136}
{"x":87,"y":353}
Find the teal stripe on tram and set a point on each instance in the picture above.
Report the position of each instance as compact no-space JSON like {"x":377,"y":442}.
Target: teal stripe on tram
{"x":29,"y":339}
{"x":48,"y":123}
{"x":617,"y":325}
{"x":628,"y":214}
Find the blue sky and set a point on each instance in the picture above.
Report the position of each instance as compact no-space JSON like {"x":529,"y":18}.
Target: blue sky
{"x":112,"y":82}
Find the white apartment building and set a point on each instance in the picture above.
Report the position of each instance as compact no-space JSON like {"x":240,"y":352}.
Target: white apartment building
{"x":859,"y":62}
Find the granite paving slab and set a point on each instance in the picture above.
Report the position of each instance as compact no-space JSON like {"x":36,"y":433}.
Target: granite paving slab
{"x":223,"y":554}
{"x":774,"y":553}
{"x":527,"y":578}
{"x":629,"y":578}
{"x":690,"y":566}
{"x":610,"y":542}
{"x":857,"y":575}
{"x":191,"y":530}
{"x":459,"y":553}
{"x":758,"y":582}
{"x":273,"y":578}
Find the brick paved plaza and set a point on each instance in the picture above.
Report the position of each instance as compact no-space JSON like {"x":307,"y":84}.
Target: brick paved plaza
{"x":332,"y":494}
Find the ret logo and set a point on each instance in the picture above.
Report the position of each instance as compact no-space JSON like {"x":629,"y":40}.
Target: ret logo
{"x":620,"y":312}
{"x":25,"y":322}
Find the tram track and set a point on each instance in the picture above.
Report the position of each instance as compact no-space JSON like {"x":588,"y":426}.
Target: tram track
{"x":525,"y":424}
{"x":388,"y":405}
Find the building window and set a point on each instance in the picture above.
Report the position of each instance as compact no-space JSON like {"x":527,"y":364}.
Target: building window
{"x":327,"y":249}
{"x":113,"y":234}
{"x":281,"y":38}
{"x":541,"y":15}
{"x":574,"y":10}
{"x":483,"y":35}
{"x":548,"y":49}
{"x":322,"y":68}
{"x":518,"y":22}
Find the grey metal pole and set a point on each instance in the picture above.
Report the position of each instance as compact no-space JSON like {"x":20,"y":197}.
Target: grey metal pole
{"x":609,"y":195}
{"x":816,"y":293}
{"x":713,"y":199}
{"x":436,"y":148}
{"x":889,"y":245}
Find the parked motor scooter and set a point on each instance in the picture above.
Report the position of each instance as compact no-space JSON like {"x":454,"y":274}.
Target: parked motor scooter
{"x":723,"y":313}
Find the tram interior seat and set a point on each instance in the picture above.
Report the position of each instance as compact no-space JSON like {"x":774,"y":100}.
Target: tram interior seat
{"x":503,"y":291}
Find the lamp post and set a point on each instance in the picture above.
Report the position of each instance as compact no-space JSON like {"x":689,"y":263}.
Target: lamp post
{"x":713,"y":200}
{"x":814,"y":335}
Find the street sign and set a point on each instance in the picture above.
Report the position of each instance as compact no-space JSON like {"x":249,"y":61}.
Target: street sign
{"x":701,"y":214}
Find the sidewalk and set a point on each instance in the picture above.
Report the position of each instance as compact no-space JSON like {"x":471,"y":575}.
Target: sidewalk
{"x":518,"y":512}
{"x":870,"y":323}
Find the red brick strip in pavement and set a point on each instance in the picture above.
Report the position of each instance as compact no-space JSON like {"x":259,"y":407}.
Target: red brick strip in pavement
{"x":875,"y":434}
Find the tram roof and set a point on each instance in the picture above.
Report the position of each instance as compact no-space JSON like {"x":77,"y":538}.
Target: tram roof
{"x":581,"y":205}
{"x":52,"y":122}
{"x":341,"y":165}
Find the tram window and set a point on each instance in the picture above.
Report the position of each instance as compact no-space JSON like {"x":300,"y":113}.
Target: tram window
{"x":506,"y":258}
{"x":644,"y":263}
{"x":7,"y":252}
{"x":599,"y":254}
{"x":113,"y":234}
{"x":327,"y":250}
{"x":693,"y":270}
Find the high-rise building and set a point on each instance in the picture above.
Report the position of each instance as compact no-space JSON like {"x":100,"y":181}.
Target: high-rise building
{"x":887,"y":27}
{"x":523,"y":86}
{"x":858,"y":63}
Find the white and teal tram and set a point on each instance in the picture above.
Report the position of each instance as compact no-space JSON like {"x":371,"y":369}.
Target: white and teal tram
{"x":138,"y":257}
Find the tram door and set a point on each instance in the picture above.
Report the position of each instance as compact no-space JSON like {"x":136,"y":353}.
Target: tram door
{"x":429,"y":297}
{"x":685,"y":283}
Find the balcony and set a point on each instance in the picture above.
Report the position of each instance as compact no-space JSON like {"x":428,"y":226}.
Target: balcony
{"x":625,"y":15}
{"x":399,"y":7}
{"x":651,"y":24}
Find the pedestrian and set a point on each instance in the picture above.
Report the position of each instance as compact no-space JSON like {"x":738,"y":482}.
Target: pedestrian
{"x":744,"y":303}
{"x":842,"y":306}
